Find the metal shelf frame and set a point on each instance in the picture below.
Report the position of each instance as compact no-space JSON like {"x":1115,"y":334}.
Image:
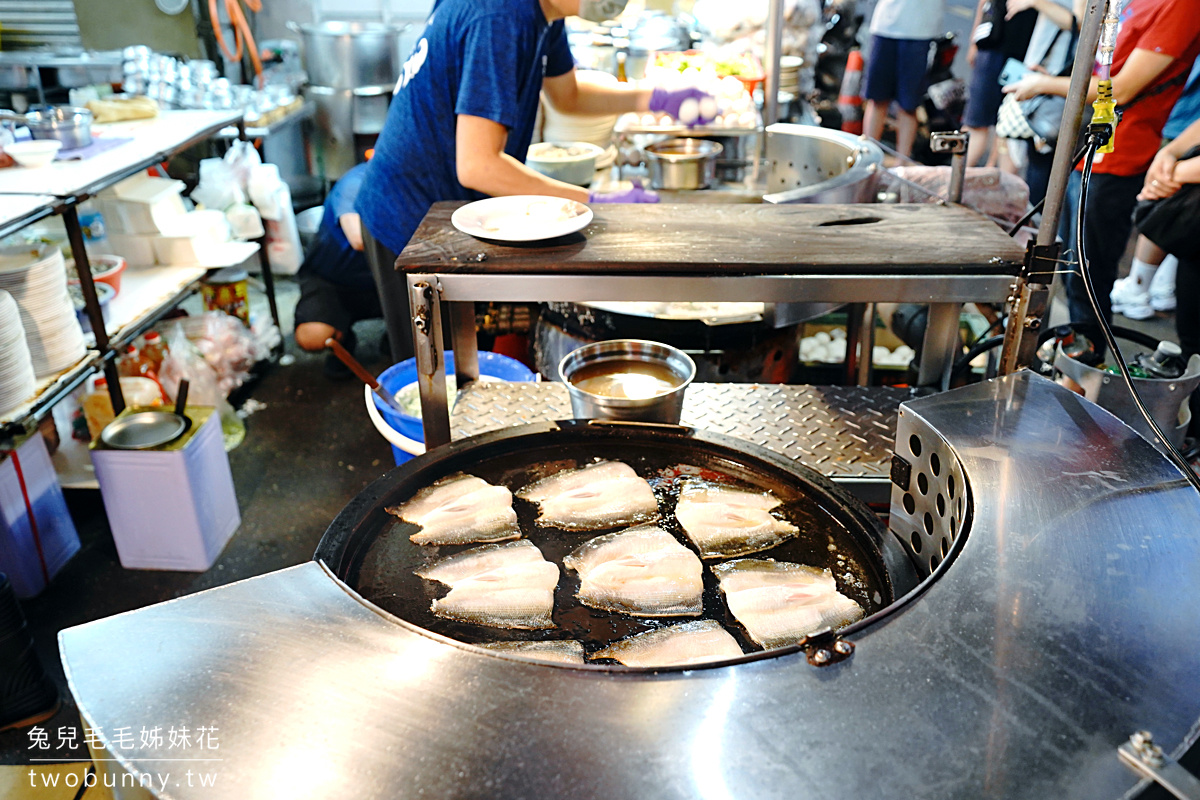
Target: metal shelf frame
{"x":104,"y":355}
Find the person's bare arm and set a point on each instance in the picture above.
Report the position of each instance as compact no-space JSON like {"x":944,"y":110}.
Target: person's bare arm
{"x":1167,"y":174}
{"x":1058,"y":14}
{"x":973,"y":51}
{"x":1140,"y":70}
{"x":352,"y":226}
{"x":570,"y":97}
{"x":482,"y":164}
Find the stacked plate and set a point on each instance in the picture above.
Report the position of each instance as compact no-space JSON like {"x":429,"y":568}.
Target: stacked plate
{"x":37,"y":281}
{"x":789,"y":74}
{"x":17,"y":381}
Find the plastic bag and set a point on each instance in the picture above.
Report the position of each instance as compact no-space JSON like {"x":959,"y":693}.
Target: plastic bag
{"x":217,"y":187}
{"x":228,"y":348}
{"x":184,"y":360}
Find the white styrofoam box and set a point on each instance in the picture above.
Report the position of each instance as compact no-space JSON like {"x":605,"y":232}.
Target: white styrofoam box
{"x":55,"y":531}
{"x":170,"y":510}
{"x":205,"y":224}
{"x":151,"y":206}
{"x":135,"y":248}
{"x":183,"y":251}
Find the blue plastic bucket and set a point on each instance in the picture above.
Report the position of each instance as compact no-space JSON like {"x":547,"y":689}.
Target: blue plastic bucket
{"x":397,"y":376}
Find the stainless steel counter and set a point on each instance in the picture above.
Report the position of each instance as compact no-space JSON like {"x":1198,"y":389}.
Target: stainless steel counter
{"x":1066,"y":619}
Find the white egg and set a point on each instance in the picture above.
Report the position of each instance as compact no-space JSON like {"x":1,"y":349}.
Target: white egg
{"x":903,"y":354}
{"x":729,"y":120}
{"x":743,"y":103}
{"x":881,"y":355}
{"x":746,"y":119}
{"x":691,"y":75}
{"x":823,"y":337}
{"x":648,"y":120}
{"x":837,"y":350}
{"x":732,"y":88}
{"x":838,"y":333}
{"x":708,"y":109}
{"x":689,"y":111}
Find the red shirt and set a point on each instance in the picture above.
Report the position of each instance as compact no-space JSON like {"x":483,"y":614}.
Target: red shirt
{"x":1171,"y":27}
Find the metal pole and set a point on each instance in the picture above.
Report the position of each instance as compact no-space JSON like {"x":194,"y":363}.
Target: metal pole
{"x":1030,"y":296}
{"x":1072,"y":120}
{"x":91,"y":302}
{"x":774,"y":47}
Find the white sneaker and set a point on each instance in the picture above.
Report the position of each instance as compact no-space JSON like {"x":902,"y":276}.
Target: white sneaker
{"x":1163,"y":301}
{"x":1128,"y":291}
{"x":1162,"y":286}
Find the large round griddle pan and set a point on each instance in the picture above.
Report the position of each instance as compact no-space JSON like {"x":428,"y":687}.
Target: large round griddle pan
{"x":370,"y":550}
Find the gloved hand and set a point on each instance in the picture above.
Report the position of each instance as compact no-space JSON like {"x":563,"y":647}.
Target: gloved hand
{"x":688,"y":105}
{"x":636,"y":194}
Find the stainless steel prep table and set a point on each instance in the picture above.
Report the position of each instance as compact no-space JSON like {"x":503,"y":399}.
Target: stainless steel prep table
{"x":941,"y":255}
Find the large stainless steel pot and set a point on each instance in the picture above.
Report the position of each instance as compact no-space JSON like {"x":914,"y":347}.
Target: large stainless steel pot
{"x":809,"y":164}
{"x":351,"y":55}
{"x":683,"y":163}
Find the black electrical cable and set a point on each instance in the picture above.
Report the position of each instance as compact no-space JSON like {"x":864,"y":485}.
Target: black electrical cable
{"x":1075,"y":159}
{"x":1085,"y":271}
{"x":977,"y":349}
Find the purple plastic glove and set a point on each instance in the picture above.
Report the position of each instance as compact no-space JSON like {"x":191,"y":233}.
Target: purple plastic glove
{"x":669,"y":101}
{"x":634,"y":195}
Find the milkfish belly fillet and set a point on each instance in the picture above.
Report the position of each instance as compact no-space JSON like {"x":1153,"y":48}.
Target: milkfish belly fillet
{"x":558,"y":652}
{"x":679,"y":645}
{"x":458,"y":510}
{"x":608,"y":494}
{"x":779,"y":603}
{"x":724,"y":522}
{"x":502,"y":586}
{"x":642,"y":571}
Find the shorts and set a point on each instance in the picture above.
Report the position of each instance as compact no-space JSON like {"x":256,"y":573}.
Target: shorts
{"x":896,"y":70}
{"x":339,"y":306}
{"x":985,"y":93}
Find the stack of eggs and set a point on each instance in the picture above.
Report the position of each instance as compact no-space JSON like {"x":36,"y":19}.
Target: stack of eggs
{"x":731,"y":105}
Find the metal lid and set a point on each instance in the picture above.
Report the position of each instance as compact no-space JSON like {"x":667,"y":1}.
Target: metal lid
{"x":143,"y":430}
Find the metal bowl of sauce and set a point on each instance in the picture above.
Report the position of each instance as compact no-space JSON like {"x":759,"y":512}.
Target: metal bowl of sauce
{"x":627,"y":379}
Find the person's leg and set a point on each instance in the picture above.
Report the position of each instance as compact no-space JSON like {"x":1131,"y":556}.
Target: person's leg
{"x":1037,"y":173}
{"x":874,"y":119}
{"x":1162,"y":285}
{"x":392,"y":287}
{"x":906,"y":132}
{"x":1187,"y":293}
{"x":1131,"y":295}
{"x":879,"y":84}
{"x":912,"y":64}
{"x":984,"y":96}
{"x":1107,"y":228}
{"x":321,"y":315}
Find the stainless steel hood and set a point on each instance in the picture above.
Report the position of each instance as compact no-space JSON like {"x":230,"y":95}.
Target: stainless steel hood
{"x":1067,"y":618}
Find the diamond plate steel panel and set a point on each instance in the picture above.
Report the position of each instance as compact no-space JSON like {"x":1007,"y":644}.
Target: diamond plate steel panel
{"x":843,"y":432}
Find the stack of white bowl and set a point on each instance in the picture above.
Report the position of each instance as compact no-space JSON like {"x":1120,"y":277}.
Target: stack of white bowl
{"x":17,"y":380}
{"x":37,"y":280}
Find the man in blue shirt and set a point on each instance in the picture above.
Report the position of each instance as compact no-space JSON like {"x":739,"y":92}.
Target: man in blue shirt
{"x":336,"y":285}
{"x":462,"y":118}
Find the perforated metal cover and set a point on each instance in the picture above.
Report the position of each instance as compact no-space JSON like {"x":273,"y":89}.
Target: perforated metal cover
{"x":931,"y":499}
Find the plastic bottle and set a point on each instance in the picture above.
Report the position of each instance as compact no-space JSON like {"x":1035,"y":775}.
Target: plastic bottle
{"x":97,"y":407}
{"x":131,"y":364}
{"x":153,"y":350}
{"x":273,"y":200}
{"x":1165,"y":362}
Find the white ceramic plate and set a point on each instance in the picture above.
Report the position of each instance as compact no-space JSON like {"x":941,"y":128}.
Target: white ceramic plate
{"x":521,"y":218}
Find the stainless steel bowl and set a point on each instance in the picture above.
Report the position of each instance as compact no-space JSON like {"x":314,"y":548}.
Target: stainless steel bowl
{"x":71,"y":126}
{"x":666,"y":407}
{"x":683,"y":163}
